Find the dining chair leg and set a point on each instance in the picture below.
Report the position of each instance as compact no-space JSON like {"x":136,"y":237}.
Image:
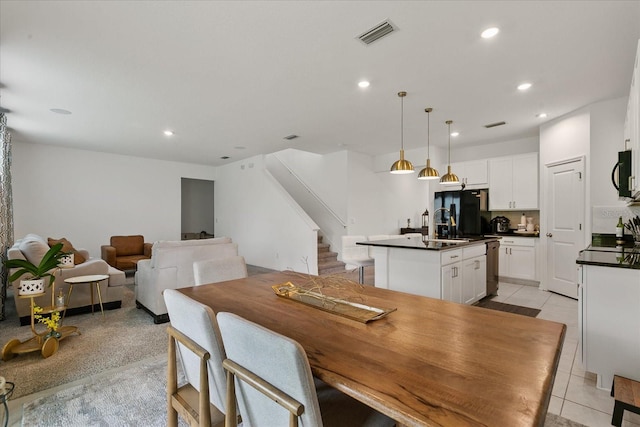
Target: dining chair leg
{"x":230,"y":419}
{"x":172,"y":383}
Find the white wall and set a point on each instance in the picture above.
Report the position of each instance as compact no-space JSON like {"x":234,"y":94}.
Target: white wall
{"x":88,"y":196}
{"x":253,"y":209}
{"x":497,"y":149}
{"x":607,"y":138}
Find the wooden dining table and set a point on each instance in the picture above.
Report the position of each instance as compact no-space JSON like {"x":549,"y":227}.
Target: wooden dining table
{"x":428,"y":363}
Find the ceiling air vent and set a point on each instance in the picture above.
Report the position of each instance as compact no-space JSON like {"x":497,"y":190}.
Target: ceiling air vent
{"x":492,"y":125}
{"x":377,"y":32}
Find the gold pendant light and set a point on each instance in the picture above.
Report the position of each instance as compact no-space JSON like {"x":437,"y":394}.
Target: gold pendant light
{"x":450,"y":178}
{"x":428,"y":172}
{"x":402,"y":166}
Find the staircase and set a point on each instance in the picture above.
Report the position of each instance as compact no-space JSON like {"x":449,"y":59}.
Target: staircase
{"x":328,"y":261}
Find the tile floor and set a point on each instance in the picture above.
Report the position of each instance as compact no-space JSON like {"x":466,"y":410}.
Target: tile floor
{"x":574,"y":394}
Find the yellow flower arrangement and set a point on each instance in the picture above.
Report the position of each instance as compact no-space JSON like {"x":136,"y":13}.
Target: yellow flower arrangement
{"x":52,"y":321}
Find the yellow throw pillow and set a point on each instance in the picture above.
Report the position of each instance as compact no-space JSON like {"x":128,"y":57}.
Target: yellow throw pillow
{"x":67,"y":247}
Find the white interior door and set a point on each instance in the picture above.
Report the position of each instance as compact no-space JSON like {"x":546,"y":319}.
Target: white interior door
{"x":564,"y":225}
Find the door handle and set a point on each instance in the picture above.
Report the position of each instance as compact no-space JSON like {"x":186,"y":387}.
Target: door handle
{"x":549,"y":235}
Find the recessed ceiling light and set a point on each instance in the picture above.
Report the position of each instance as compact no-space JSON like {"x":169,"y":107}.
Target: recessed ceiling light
{"x":455,"y":133}
{"x":524,"y":86}
{"x":363,"y":84}
{"x":239,"y":147}
{"x":168,"y":132}
{"x":490,"y":32}
{"x":542,"y":115}
{"x":60,"y":111}
{"x":225,"y":157}
{"x":290,"y":137}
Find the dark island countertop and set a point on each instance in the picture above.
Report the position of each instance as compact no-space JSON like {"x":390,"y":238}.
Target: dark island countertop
{"x":432,"y":245}
{"x":625,"y":256}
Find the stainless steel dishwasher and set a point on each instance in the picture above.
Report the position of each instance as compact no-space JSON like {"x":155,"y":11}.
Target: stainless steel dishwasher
{"x":493,"y":248}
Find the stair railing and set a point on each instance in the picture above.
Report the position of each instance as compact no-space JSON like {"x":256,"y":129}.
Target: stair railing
{"x":327,"y":219}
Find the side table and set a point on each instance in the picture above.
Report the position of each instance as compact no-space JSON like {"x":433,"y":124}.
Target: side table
{"x":92,"y":280}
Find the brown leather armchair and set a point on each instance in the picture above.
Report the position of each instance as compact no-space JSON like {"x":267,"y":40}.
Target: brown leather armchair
{"x":124,"y":252}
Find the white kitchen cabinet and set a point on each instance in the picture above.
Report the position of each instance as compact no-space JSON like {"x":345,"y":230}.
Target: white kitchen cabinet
{"x":451,"y":275}
{"x":433,"y":273}
{"x":464,"y":274}
{"x":513,"y":182}
{"x":474,"y":273}
{"x":473,"y":173}
{"x":609,"y":325}
{"x":518,"y":258}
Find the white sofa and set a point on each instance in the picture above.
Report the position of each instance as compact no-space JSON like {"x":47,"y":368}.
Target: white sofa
{"x":171,"y":267}
{"x":111,"y":290}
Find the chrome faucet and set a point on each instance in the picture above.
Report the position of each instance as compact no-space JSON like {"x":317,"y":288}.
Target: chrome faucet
{"x":452,"y":221}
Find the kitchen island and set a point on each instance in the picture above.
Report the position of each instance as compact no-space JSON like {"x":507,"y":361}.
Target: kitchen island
{"x":452,"y":270}
{"x":608,"y":307}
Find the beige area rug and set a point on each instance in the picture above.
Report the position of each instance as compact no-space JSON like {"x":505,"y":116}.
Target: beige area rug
{"x":132,"y":397}
{"x":125,"y":335}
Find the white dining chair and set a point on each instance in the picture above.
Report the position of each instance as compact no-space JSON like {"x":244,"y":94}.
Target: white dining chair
{"x":355,"y":256}
{"x":219,"y":270}
{"x":195,"y":337}
{"x":266,"y":369}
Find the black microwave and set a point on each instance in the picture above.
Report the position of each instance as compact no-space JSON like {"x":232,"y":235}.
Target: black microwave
{"x":623,"y":180}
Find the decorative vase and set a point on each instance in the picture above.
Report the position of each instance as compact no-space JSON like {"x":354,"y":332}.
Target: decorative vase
{"x":66,"y":261}
{"x":54,"y":334}
{"x":31,"y":287}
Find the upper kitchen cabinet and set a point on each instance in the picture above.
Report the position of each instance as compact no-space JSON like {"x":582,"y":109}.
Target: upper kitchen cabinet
{"x":513,"y":182}
{"x":472,"y":173}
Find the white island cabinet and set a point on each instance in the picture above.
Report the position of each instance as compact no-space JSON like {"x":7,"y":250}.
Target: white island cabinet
{"x":609,"y":322}
{"x":450,"y":272}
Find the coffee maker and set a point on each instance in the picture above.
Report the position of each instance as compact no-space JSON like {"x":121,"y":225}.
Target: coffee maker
{"x":500,"y":224}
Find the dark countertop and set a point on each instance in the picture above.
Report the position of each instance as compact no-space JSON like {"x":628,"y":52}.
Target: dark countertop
{"x":604,"y":252}
{"x":417,"y":243}
{"x":513,"y":233}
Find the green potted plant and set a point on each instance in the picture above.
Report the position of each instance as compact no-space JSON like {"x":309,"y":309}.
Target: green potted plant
{"x":34,"y":283}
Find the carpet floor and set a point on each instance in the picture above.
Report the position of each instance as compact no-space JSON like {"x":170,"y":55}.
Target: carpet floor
{"x":124,"y":336}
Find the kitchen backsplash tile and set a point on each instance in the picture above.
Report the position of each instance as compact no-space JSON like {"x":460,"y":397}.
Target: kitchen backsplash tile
{"x":514,"y":216}
{"x":605,"y":218}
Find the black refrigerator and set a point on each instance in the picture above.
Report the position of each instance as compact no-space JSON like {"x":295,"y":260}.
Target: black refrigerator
{"x":469,"y":209}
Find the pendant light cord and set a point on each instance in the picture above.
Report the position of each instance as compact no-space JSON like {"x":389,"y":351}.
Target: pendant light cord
{"x":402,"y":123}
{"x":449,"y":131}
{"x":428,"y":129}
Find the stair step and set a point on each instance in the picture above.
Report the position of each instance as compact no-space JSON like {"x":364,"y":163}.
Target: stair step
{"x":323,"y":247}
{"x":326,"y":255}
{"x":330,"y":264}
{"x":333,"y":270}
